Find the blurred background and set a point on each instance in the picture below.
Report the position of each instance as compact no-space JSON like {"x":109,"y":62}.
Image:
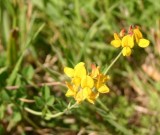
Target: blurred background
{"x":38,"y":38}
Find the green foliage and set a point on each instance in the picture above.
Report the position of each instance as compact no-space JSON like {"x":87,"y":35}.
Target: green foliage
{"x":46,"y":100}
{"x":39,"y":37}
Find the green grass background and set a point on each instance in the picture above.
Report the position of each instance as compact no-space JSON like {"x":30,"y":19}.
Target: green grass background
{"x":38,"y":38}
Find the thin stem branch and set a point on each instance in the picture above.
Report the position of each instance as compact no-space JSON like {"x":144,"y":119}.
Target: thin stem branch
{"x":48,"y":115}
{"x":33,"y":112}
{"x":102,"y":105}
{"x":113,"y":62}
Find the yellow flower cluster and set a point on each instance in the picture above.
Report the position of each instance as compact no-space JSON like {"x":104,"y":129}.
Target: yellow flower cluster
{"x":83,"y":85}
{"x":127,"y":41}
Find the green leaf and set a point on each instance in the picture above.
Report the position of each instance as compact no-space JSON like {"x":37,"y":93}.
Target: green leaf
{"x":17,"y":117}
{"x":13,"y":75}
{"x":46,"y":93}
{"x":39,"y":102}
{"x":18,"y":80}
{"x":28,"y":72}
{"x":50,"y":101}
{"x":4,"y":96}
{"x":2,"y":109}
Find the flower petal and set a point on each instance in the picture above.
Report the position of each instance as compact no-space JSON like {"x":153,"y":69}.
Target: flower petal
{"x":103,"y":89}
{"x":86,"y":92}
{"x":126,"y":51}
{"x":143,"y":43}
{"x":82,"y":94}
{"x":116,"y":37}
{"x":80,"y":70}
{"x":92,"y":97}
{"x":116,"y":43}
{"x":69,"y":71}
{"x":76,"y":81}
{"x":101,"y":80}
{"x":87,"y":81}
{"x":79,"y":96}
{"x":127,"y":41}
{"x":95,"y":71}
{"x":70,"y":93}
{"x":137,"y":34}
{"x":79,"y":64}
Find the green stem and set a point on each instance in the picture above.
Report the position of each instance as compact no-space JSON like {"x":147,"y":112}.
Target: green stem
{"x":102,"y":105}
{"x":54,"y":115}
{"x":32,"y":111}
{"x":113,"y":62}
{"x":51,"y":115}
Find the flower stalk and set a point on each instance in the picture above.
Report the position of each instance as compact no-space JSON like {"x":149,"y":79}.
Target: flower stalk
{"x":48,"y":115}
{"x":113,"y":62}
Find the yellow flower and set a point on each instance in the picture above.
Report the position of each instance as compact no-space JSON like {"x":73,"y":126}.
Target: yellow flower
{"x":100,"y":83}
{"x":142,"y":42}
{"x":77,"y":73}
{"x":72,"y":90}
{"x":128,"y":41}
{"x":117,"y":41}
{"x":137,"y":34}
{"x":87,"y":81}
{"x":126,"y":51}
{"x":99,"y":80}
{"x":95,"y":71}
{"x":80,"y":70}
{"x":92,"y":97}
{"x":127,"y":44}
{"x":87,"y":84}
{"x":82,"y":94}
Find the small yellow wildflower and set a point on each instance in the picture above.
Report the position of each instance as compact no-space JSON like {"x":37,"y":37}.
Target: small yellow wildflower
{"x":82,"y":94}
{"x":100,"y":84}
{"x":85,"y":86}
{"x":142,"y":42}
{"x":127,"y":40}
{"x":100,"y":80}
{"x":72,"y":90}
{"x":126,"y":51}
{"x":117,"y":41}
{"x":77,"y":73}
{"x":127,"y":44}
{"x":92,"y":97}
{"x":95,"y":71}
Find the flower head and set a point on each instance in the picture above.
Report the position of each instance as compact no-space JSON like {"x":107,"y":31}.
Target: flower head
{"x":85,"y":86}
{"x":72,"y":90}
{"x":117,"y":41}
{"x":127,"y":44}
{"x":126,"y":51}
{"x":127,"y":41}
{"x":142,"y":42}
{"x":77,"y":73}
{"x":99,"y":80}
